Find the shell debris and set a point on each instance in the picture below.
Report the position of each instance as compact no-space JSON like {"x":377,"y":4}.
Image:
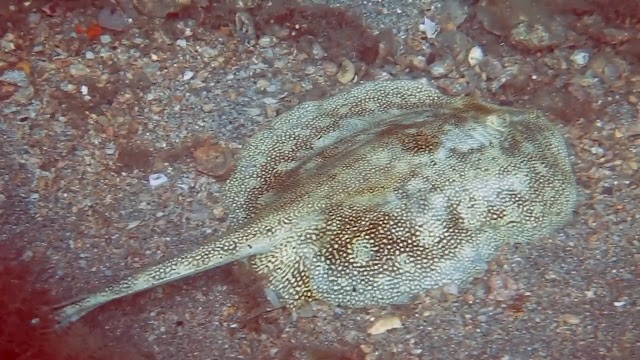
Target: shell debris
{"x":347,"y":71}
{"x":384,"y":324}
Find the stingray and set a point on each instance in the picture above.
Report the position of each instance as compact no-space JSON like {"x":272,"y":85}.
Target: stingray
{"x":377,"y":194}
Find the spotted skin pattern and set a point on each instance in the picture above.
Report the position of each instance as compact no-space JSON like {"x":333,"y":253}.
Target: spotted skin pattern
{"x":377,"y":194}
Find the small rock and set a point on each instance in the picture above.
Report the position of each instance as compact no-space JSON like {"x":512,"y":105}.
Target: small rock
{"x":105,"y":39}
{"x":580,"y":58}
{"x":157,"y":179}
{"x":113,"y":20}
{"x":34,"y":18}
{"x":535,"y":36}
{"x":267,"y":41}
{"x":160,"y":9}
{"x":330,"y":68}
{"x":110,"y":149}
{"x":16,"y":77}
{"x":451,"y":289}
{"x":89,"y":55}
{"x":501,"y":287}
{"x":262,"y":84}
{"x":491,"y":67}
{"x":317,"y":51}
{"x":570,"y":319}
{"x":271,"y":112}
{"x":209,"y":52}
{"x":133,"y":224}
{"x":417,"y":62}
{"x":384,"y":324}
{"x":151,"y":69}
{"x":207,"y":108}
{"x":188,"y":75}
{"x":7,"y":45}
{"x":308,"y":45}
{"x":68,"y":87}
{"x":78,"y":70}
{"x":218,"y":212}
{"x":182,"y":43}
{"x":441,"y":68}
{"x":367,"y":349}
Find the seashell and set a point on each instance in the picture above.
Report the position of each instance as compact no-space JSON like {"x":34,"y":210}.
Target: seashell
{"x":475,"y":55}
{"x":347,"y":71}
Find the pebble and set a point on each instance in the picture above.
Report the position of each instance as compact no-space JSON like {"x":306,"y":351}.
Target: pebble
{"x":7,"y":45}
{"x":440,"y":68}
{"x":417,"y":62}
{"x":182,"y":43}
{"x":188,"y":75}
{"x":317,"y":51}
{"x":262,"y":84}
{"x":110,"y":149}
{"x":209,"y":52}
{"x":451,"y":289}
{"x":68,"y":87}
{"x":157,"y":179}
{"x":570,"y":319}
{"x":78,"y":70}
{"x":208,"y":108}
{"x":16,"y":77}
{"x":105,"y":39}
{"x":113,"y":20}
{"x":34,"y":18}
{"x":491,"y":67}
{"x":151,"y":69}
{"x":267,"y":41}
{"x":133,"y":224}
{"x":384,"y":324}
{"x":580,"y":58}
{"x":330,"y":68}
{"x":89,"y":55}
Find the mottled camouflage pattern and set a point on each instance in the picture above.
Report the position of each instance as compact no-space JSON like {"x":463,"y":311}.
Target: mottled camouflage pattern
{"x":379,"y":193}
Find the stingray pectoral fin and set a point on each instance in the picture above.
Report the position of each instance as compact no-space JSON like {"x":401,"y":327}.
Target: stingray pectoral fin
{"x":236,"y":245}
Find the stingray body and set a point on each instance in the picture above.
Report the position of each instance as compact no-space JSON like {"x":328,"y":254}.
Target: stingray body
{"x":379,"y":193}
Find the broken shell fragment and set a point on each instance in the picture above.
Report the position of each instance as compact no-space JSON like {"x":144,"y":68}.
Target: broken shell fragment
{"x":347,"y":71}
{"x":384,"y":324}
{"x":475,"y":56}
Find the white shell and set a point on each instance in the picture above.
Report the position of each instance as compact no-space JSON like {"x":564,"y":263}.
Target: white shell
{"x":430,"y":28}
{"x":580,"y":58}
{"x":475,"y":55}
{"x":157,"y":179}
{"x":187,"y":75}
